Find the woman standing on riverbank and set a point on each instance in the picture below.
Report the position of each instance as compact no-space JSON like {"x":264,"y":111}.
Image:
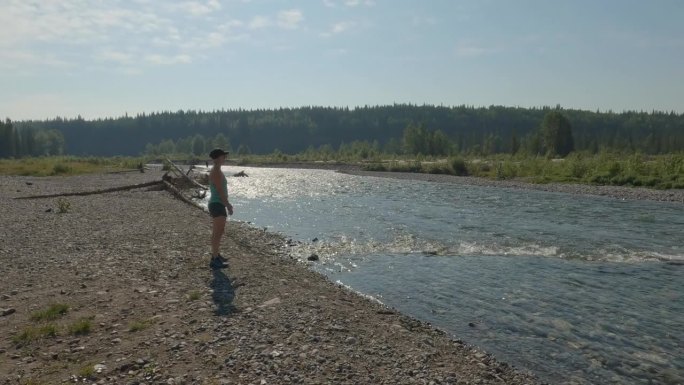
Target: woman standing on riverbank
{"x":219,"y":207}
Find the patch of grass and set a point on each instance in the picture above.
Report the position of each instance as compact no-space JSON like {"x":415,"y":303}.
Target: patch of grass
{"x":194,"y":295}
{"x":87,"y":372}
{"x":61,"y":169}
{"x":66,"y":165}
{"x":406,"y":166}
{"x":63,"y":206}
{"x":33,"y":333}
{"x":48,"y":330}
{"x":374,"y":167}
{"x":81,"y":327}
{"x":137,"y":326}
{"x":150,"y":369}
{"x":51,"y":313}
{"x":26,"y":336}
{"x":166,"y":165}
{"x":436,"y":168}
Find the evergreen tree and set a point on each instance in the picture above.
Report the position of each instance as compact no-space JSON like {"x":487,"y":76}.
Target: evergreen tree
{"x":7,"y":140}
{"x":556,"y":134}
{"x":220,"y":141}
{"x":243,"y":149}
{"x":515,"y":145}
{"x":198,"y":145}
{"x":416,"y":139}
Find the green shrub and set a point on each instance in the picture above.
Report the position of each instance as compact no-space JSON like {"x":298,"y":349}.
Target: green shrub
{"x":458,"y":166}
{"x":506,"y":170}
{"x":374,"y":167}
{"x":635,"y":164}
{"x":437,"y":168}
{"x":600,"y":179}
{"x":614,"y":169}
{"x":60,"y":168}
{"x":63,"y":206}
{"x":577,"y":167}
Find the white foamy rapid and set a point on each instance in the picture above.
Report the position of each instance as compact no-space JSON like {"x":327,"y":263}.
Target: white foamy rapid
{"x":340,"y":248}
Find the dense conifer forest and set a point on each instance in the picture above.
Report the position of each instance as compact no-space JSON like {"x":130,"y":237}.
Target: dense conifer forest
{"x":399,"y":129}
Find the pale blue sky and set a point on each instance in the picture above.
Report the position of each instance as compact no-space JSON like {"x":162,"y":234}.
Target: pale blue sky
{"x":106,"y":58}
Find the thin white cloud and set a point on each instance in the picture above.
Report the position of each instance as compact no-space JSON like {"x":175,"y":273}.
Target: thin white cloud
{"x":218,"y":37}
{"x":65,"y":32}
{"x":14,"y":60}
{"x":337,"y":52}
{"x":338,"y":28}
{"x":348,"y":3}
{"x":259,"y":22}
{"x":157,"y":59}
{"x":68,"y":21}
{"x":465,"y":48}
{"x":470,"y":48}
{"x":116,"y":57}
{"x":342,"y":26}
{"x":199,"y":8}
{"x":290,"y":19}
{"x":420,"y":21}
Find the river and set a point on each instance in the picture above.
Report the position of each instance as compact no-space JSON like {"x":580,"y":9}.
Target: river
{"x":577,"y":289}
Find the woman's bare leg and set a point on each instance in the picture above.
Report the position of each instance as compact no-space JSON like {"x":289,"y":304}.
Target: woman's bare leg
{"x":217,"y":227}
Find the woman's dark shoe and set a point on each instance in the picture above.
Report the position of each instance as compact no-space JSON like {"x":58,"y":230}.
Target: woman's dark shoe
{"x":217,"y":263}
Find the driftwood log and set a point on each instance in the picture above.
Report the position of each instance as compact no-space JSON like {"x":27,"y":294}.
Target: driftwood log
{"x":175,"y":191}
{"x":176,"y":170}
{"x":167,"y":183}
{"x":93,"y":192}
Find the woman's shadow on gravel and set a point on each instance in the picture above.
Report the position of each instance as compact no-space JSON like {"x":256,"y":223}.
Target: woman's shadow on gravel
{"x":223,"y":293}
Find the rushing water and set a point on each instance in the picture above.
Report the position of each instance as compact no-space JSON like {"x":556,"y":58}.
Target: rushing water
{"x":577,"y":289}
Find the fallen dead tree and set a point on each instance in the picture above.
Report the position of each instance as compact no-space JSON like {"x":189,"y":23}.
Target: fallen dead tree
{"x":168,"y":183}
{"x":93,"y":192}
{"x":179,"y":173}
{"x":172,"y":184}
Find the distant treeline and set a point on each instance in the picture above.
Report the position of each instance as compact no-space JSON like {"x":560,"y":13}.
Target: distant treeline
{"x":19,"y":143}
{"x":462,"y":129}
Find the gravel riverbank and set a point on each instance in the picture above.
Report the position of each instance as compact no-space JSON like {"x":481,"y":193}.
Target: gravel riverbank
{"x":132,"y":267}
